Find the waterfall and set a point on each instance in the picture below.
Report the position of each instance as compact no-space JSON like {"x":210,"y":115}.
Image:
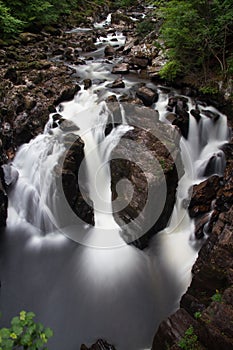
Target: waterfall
{"x":102,"y":285}
{"x":93,"y":284}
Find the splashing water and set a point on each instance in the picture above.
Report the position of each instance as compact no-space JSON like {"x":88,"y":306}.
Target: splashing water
{"x":103,"y":288}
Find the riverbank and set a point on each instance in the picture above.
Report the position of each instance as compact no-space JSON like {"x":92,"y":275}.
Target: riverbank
{"x":36,"y":80}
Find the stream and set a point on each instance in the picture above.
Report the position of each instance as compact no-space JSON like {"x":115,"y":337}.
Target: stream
{"x":85,"y":282}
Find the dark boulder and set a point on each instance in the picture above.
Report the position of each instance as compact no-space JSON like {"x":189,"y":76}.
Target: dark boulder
{"x":121,"y":68}
{"x":147,"y":95}
{"x":73,"y":183}
{"x":67,"y":95}
{"x":179,"y":106}
{"x":211,"y":115}
{"x":203,"y":195}
{"x":196,"y":114}
{"x":87,"y":84}
{"x":117,"y":84}
{"x":109,"y":51}
{"x":144,"y":160}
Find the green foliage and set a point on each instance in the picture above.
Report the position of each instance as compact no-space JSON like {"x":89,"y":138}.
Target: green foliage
{"x":126,"y":3}
{"x":24,"y":333}
{"x":217,"y":297}
{"x":197,"y":315}
{"x":9,"y":25}
{"x":189,"y":341}
{"x":198,"y":33}
{"x":209,"y":90}
{"x":144,"y":27}
{"x":171,"y":70}
{"x":17,"y":15}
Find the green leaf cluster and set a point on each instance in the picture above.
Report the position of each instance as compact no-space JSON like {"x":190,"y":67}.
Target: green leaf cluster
{"x":24,"y":333}
{"x":17,"y":15}
{"x":217,"y":297}
{"x":189,"y":341}
{"x":198,"y":34}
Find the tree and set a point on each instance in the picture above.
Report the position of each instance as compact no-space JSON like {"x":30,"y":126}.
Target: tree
{"x":9,"y":25}
{"x":198,"y":34}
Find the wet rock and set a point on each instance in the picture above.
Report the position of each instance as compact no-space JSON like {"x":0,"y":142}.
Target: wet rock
{"x":215,"y":165}
{"x":201,"y":226}
{"x":73,"y":182}
{"x":67,"y":125}
{"x":10,"y":174}
{"x":59,"y":51}
{"x":174,"y":328}
{"x":3,"y":200}
{"x":147,"y":95}
{"x":121,"y":68}
{"x":99,"y":345}
{"x":109,"y":51}
{"x":170,"y":117}
{"x":203,"y":196}
{"x":111,"y":98}
{"x":27,"y":38}
{"x":210,"y":292}
{"x":138,"y":62}
{"x":88,"y":45}
{"x":87,"y":84}
{"x":117,"y":84}
{"x":211,"y":115}
{"x":133,"y":162}
{"x":67,"y":94}
{"x":120,"y":18}
{"x":216,"y":332}
{"x":129,"y":44}
{"x":183,"y":124}
{"x":196,"y":114}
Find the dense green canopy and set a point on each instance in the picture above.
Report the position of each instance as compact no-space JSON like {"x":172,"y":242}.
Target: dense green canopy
{"x":198,"y":34}
{"x":16,"y":15}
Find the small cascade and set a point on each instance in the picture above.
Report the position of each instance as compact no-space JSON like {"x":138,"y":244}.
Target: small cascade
{"x":92,"y":123}
{"x":95,"y":285}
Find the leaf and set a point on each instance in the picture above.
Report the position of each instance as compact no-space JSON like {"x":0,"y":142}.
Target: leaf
{"x":26,"y":339}
{"x":4,"y":333}
{"x":39,"y":343}
{"x":15,"y":321}
{"x":17,"y":329}
{"x":48,"y":332}
{"x":30,"y":315}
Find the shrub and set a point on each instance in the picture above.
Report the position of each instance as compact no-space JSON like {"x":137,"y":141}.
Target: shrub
{"x":9,"y":25}
{"x":189,"y":341}
{"x":171,"y":70}
{"x":24,"y":333}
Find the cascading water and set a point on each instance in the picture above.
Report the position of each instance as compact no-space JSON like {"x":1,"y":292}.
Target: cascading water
{"x":102,"y":287}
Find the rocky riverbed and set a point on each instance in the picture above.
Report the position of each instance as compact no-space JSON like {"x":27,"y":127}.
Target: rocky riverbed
{"x":39,"y":72}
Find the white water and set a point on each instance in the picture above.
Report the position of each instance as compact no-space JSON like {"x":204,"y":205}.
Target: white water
{"x":103,"y":288}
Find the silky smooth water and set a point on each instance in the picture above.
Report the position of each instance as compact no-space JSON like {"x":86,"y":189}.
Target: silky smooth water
{"x":86,"y":282}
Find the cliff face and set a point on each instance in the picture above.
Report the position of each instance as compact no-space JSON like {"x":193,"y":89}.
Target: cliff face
{"x":207,"y":305}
